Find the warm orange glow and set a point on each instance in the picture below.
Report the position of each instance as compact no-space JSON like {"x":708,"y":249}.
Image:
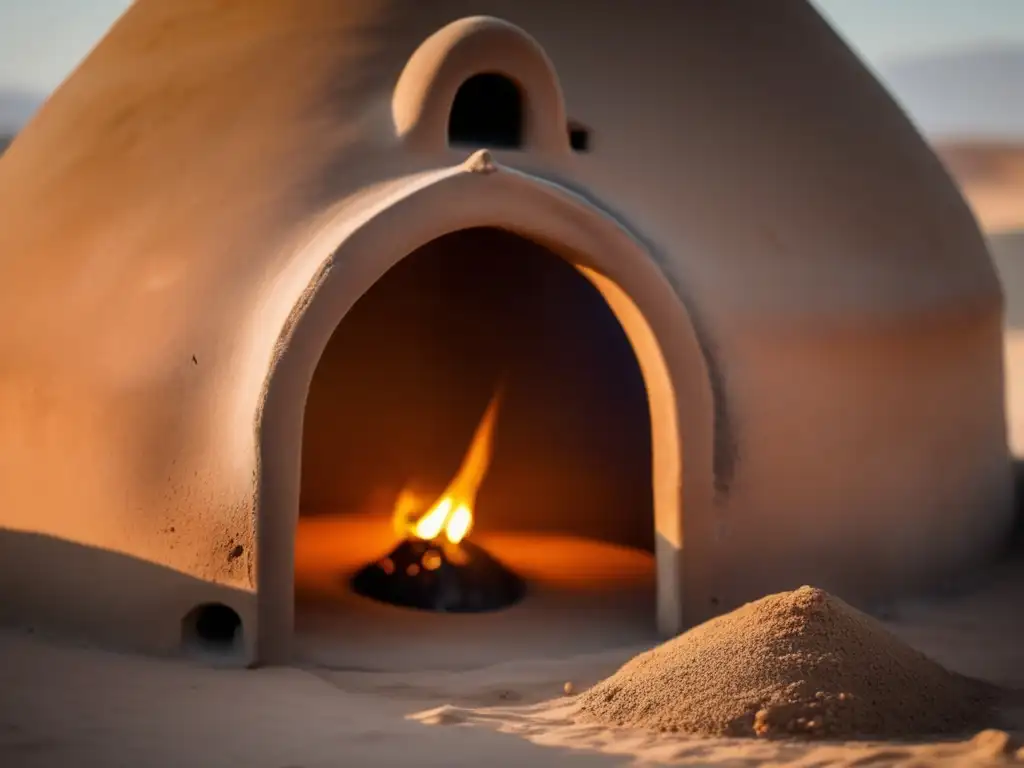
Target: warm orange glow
{"x":452,"y":514}
{"x":432,"y":560}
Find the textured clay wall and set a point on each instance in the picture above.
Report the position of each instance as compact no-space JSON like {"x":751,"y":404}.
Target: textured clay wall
{"x":409,"y":371}
{"x":858,"y":463}
{"x":155,"y":200}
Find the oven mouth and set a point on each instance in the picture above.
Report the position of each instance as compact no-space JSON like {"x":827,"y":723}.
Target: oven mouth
{"x":476,"y":461}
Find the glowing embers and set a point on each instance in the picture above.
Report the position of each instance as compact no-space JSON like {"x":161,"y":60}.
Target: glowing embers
{"x":434,"y":568}
{"x":421,"y":574}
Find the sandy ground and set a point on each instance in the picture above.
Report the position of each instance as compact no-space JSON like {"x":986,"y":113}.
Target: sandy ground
{"x":68,"y":705}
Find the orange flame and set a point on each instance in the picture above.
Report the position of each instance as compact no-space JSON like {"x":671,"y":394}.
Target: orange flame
{"x":452,"y":514}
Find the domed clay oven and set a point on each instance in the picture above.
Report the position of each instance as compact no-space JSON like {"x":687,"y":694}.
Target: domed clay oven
{"x":192,"y":216}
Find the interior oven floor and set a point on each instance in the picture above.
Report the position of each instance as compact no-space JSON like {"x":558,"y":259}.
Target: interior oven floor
{"x":583,"y":596}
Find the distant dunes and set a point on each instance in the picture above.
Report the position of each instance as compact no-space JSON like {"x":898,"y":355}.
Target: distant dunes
{"x":991,"y":175}
{"x":969,"y":104}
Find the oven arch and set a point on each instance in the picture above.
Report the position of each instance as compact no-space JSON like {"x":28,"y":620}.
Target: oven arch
{"x":365,"y":243}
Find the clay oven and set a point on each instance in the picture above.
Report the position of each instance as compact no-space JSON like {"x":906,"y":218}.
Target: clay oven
{"x":199,"y":234}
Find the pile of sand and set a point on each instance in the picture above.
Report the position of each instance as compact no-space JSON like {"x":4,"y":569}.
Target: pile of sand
{"x":795,"y":663}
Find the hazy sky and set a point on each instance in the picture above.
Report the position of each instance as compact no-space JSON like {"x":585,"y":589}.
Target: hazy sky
{"x":883,"y":30}
{"x":42,"y":40}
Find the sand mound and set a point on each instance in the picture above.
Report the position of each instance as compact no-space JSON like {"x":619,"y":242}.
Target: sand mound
{"x":795,"y":663}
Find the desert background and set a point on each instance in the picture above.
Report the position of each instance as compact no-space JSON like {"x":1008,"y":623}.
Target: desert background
{"x":959,"y":75}
{"x":969,"y":104}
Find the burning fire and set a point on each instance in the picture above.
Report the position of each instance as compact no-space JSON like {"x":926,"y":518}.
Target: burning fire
{"x":452,"y":514}
{"x":433,"y":567}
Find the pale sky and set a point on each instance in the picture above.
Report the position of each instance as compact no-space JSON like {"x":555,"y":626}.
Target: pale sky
{"x":885,"y":30}
{"x":41,"y":41}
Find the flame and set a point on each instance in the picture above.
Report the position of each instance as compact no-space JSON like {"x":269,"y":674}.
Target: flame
{"x":452,"y":514}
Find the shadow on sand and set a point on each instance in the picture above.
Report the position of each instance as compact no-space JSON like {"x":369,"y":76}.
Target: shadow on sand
{"x":109,"y":598}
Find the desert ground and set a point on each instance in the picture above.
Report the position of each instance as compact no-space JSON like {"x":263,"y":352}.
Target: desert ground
{"x":66,"y":704}
{"x":484,"y":697}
